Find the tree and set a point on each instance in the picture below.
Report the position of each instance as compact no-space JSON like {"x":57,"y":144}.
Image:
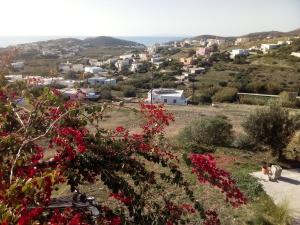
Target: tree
{"x":272,"y":126}
{"x":129,"y":91}
{"x":238,"y":59}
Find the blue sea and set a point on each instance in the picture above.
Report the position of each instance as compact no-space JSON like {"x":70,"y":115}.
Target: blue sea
{"x":146,"y":40}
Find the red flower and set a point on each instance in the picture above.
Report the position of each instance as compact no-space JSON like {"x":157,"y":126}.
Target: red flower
{"x":120,"y":129}
{"x":115,"y":221}
{"x":120,"y":197}
{"x":207,"y":172}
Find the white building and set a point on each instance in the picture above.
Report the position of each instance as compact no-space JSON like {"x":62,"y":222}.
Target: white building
{"x":153,"y":49}
{"x":144,"y":57}
{"x":296,"y":54}
{"x":196,"y":70}
{"x":287,"y":42}
{"x":78,"y":68}
{"x":156,"y":58}
{"x":239,"y":52}
{"x":212,"y":42}
{"x":267,"y":47}
{"x":93,"y":69}
{"x":122,"y":64}
{"x":127,"y":56}
{"x":98,"y":81}
{"x":18,"y":65}
{"x":135,"y":67}
{"x":64,"y":67}
{"x":167,"y":96}
{"x":241,"y":40}
{"x":14,"y":78}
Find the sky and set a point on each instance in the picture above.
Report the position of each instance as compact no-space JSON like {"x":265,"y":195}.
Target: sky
{"x":146,"y":17}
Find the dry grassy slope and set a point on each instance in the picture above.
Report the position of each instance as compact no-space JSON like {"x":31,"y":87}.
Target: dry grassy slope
{"x":184,"y":115}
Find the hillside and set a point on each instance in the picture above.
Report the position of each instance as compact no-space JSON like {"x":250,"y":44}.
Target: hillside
{"x":101,"y":41}
{"x":104,"y":41}
{"x":253,"y":36}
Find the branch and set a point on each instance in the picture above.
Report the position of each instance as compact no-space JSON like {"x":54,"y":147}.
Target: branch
{"x":25,"y":142}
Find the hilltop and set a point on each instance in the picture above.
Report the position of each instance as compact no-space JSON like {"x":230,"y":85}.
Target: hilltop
{"x":101,"y":41}
{"x":105,"y":41}
{"x":253,"y":36}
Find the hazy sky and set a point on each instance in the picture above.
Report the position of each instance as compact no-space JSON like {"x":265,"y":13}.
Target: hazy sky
{"x":146,"y":17}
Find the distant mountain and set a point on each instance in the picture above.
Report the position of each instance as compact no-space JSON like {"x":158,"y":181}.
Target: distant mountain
{"x":254,"y":36}
{"x":101,"y":41}
{"x":104,"y":41}
{"x":208,"y":36}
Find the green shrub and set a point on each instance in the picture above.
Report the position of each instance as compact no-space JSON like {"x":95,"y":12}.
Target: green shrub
{"x":208,"y":131}
{"x":273,"y":88}
{"x":105,"y":93}
{"x":226,"y":94}
{"x":245,"y":142}
{"x":203,"y":98}
{"x":129,"y":91}
{"x":256,"y":87}
{"x":272,"y":126}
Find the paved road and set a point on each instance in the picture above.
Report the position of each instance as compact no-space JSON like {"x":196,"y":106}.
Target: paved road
{"x":287,"y":188}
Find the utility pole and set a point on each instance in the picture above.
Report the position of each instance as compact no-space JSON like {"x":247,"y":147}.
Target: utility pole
{"x":193,"y":89}
{"x":151,"y":85}
{"x":192,"y":79}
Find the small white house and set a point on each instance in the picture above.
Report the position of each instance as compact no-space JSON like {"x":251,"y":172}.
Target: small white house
{"x":127,"y":56}
{"x":144,"y":57}
{"x":78,"y":68}
{"x":267,"y":47}
{"x":18,"y":65}
{"x":64,"y":67}
{"x":167,"y":96}
{"x":135,"y":67}
{"x":196,"y":70}
{"x":93,"y":69}
{"x":98,"y":81}
{"x":14,"y":78}
{"x":122,"y":64}
{"x":239,"y":52}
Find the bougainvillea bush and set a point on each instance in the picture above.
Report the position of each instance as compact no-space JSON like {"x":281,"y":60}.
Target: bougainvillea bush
{"x":83,"y":152}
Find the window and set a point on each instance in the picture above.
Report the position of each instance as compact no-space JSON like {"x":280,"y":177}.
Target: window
{"x":174,"y":101}
{"x":165,"y":100}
